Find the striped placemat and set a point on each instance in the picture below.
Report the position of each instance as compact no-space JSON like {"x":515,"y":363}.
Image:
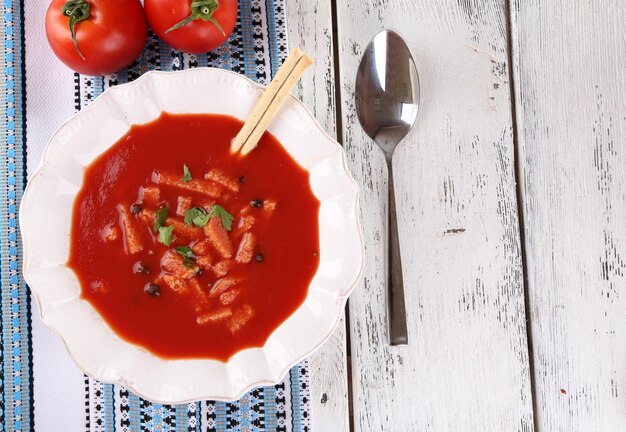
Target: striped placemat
{"x":41,"y":388}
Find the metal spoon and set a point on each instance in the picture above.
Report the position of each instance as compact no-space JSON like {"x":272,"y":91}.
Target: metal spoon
{"x":387,"y":98}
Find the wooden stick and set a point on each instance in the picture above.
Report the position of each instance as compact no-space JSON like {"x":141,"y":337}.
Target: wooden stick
{"x":273,"y":98}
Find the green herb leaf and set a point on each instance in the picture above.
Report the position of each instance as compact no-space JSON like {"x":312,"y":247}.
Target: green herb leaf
{"x":199,"y":217}
{"x":194,"y":213}
{"x":184,"y":251}
{"x":159,"y":218}
{"x":165,"y":234}
{"x":186,"y":174}
{"x":227,"y":218}
{"x":201,"y":220}
{"x":189,"y":263}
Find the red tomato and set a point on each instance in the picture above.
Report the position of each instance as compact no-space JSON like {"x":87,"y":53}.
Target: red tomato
{"x":110,"y":34}
{"x":199,"y":29}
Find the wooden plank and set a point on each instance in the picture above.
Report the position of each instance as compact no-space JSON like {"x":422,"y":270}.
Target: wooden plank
{"x":466,"y":367}
{"x":570,"y":89}
{"x":310,"y":27}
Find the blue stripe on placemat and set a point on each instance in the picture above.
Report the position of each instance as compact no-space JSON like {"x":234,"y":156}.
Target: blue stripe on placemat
{"x":109,"y":411}
{"x":247,"y":35}
{"x":294,"y":376}
{"x":269,"y":402}
{"x":166,"y":63}
{"x":16,"y":383}
{"x":198,"y":417}
{"x":181,"y":417}
{"x":271,"y":21}
{"x":135,"y":415}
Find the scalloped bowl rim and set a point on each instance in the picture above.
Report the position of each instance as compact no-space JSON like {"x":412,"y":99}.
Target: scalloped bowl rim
{"x":236,"y":390}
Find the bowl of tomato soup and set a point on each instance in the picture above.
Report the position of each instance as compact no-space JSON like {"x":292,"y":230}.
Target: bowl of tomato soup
{"x":172,"y":266}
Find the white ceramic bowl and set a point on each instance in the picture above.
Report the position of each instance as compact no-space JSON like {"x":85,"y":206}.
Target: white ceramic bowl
{"x":97,"y":350}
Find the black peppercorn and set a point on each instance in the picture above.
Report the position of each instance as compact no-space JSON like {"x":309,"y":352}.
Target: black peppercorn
{"x":259,"y":257}
{"x":256,"y":203}
{"x":135,"y":208}
{"x":152,"y":289}
{"x":200,"y":272}
{"x":241,"y":179}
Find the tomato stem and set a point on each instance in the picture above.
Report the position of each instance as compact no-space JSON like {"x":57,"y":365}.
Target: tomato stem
{"x":200,"y":9}
{"x":77,"y":11}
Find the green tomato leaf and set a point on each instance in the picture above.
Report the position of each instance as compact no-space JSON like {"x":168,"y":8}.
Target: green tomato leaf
{"x":77,"y":11}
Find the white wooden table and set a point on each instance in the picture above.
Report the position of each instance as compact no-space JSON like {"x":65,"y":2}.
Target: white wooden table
{"x":512,"y":208}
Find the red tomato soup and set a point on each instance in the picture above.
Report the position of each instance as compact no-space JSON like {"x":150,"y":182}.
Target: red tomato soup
{"x":187,"y":250}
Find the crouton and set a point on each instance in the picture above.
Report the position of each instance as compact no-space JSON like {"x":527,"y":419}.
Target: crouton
{"x":200,"y":299}
{"x":246,"y":248}
{"x":245,"y":211}
{"x":201,"y":247}
{"x":222,"y":268}
{"x":207,"y":204}
{"x":196,"y":185}
{"x":240,"y":318}
{"x":150,"y":195}
{"x":222,"y":179}
{"x":228,"y":297}
{"x":176,"y":284}
{"x":269,"y":206}
{"x":218,"y":236}
{"x":184,"y":230}
{"x":217,"y":315}
{"x":205,"y":262}
{"x":245,"y":224}
{"x":173,"y":263}
{"x":222,"y":285}
{"x":132,"y":238}
{"x":180,"y":228}
{"x":184,"y":204}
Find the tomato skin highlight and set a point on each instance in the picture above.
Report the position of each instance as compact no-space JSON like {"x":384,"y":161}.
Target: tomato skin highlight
{"x":197,"y":36}
{"x":111,"y":38}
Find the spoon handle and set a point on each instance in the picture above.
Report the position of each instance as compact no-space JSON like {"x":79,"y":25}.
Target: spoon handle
{"x":397,"y":311}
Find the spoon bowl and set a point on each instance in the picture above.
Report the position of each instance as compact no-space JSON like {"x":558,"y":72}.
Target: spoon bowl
{"x":387,"y":91}
{"x":387,"y":99}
